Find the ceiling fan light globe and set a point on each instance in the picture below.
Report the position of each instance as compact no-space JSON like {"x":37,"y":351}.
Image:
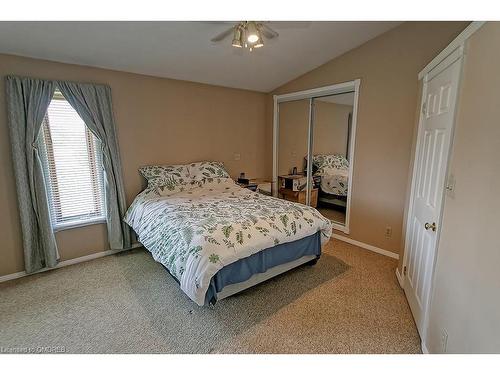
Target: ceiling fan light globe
{"x":252,"y":38}
{"x":252,"y":32}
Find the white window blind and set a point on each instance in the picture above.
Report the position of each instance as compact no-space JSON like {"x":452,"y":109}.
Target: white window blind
{"x":72,"y":163}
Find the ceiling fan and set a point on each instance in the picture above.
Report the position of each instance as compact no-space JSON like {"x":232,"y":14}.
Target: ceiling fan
{"x":247,"y":34}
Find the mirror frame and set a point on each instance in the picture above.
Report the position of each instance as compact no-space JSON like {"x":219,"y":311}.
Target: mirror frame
{"x":340,"y":88}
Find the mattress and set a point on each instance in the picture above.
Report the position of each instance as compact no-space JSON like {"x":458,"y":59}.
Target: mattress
{"x":197,"y":232}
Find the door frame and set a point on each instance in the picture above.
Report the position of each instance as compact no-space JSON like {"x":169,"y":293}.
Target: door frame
{"x":453,"y":52}
{"x":339,"y":88}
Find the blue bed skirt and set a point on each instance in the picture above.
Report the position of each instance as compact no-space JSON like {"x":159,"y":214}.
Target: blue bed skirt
{"x":260,"y":262}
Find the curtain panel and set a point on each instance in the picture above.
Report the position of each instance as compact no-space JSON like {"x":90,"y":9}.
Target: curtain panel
{"x":93,"y":104}
{"x":27,"y":103}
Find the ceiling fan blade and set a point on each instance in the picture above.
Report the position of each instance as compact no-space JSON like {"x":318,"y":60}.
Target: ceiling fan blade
{"x":268,"y":32}
{"x":222,"y":35}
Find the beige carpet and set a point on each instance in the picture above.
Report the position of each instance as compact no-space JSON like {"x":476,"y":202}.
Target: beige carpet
{"x":334,"y":215}
{"x":349,"y":302}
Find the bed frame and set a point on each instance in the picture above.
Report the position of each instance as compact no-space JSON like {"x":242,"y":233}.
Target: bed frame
{"x":261,"y":266}
{"x":258,"y":278}
{"x":332,"y":199}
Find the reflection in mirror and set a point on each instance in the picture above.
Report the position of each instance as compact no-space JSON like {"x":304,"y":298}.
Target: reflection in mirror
{"x":331,"y":138}
{"x":292,"y":149}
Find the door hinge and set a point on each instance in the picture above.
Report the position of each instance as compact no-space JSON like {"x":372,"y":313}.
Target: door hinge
{"x":404,"y":270}
{"x":424,"y":108}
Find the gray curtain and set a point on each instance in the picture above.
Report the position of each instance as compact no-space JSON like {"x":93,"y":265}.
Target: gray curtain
{"x":27,"y":103}
{"x":93,"y":104}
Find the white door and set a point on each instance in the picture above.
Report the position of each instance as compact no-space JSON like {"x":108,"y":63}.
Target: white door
{"x":431,"y":159}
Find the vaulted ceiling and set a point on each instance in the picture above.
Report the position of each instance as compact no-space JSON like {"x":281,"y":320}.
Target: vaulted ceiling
{"x":183,"y":50}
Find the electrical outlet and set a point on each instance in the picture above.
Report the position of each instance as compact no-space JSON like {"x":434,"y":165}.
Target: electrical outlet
{"x":388,"y":232}
{"x":444,"y":341}
{"x":237,"y":156}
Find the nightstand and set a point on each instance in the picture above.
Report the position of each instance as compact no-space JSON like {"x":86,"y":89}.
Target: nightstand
{"x":253,"y":184}
{"x":299,"y":196}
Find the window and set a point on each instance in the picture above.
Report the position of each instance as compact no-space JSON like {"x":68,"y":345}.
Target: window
{"x":72,"y":165}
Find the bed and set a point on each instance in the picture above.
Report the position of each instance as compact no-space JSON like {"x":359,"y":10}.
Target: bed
{"x":333,"y":171}
{"x":216,"y":238}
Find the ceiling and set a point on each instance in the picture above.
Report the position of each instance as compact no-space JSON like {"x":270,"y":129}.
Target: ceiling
{"x":182,"y":50}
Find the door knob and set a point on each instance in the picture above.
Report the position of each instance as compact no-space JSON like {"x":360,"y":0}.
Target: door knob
{"x":430,"y":226}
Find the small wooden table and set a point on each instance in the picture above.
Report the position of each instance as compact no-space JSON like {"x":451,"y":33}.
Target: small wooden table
{"x":299,"y":196}
{"x":254,"y":184}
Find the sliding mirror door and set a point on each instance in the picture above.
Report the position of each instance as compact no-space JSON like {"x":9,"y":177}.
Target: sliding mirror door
{"x":332,"y":123}
{"x":313,"y":149}
{"x":293,"y":133}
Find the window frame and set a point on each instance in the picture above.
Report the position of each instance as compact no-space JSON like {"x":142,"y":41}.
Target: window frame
{"x":53,"y":191}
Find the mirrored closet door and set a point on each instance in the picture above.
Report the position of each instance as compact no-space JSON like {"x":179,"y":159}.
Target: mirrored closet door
{"x":292,"y":150}
{"x":330,"y":155}
{"x":314,"y":133}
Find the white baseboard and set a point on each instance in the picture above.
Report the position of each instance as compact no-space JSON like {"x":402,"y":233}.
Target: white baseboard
{"x":12,"y":276}
{"x":68,"y":262}
{"x":366,"y":246}
{"x":400,"y":278}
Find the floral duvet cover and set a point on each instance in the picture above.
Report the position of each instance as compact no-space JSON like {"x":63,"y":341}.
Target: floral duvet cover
{"x":195,"y":233}
{"x":335,"y":182}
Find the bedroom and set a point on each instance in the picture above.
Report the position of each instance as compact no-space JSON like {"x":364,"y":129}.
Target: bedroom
{"x":120,"y":171}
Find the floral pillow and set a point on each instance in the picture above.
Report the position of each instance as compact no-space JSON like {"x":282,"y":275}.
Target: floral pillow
{"x":207,"y":169}
{"x":329,"y":163}
{"x":168,"y":176}
{"x":216,"y":182}
{"x":166,"y":190}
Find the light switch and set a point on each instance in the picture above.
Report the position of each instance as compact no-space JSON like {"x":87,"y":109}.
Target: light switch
{"x":237,"y":156}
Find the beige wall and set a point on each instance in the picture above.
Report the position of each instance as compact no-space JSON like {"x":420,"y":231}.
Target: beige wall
{"x":466,"y":288}
{"x":293,"y":134}
{"x":158,"y":121}
{"x":330,"y":128}
{"x":387,"y":66}
{"x":330,"y":132}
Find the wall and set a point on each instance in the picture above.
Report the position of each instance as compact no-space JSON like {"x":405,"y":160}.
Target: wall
{"x":293,"y":134}
{"x":331,"y":125}
{"x":330,"y":132}
{"x":465,"y":302}
{"x":387,"y":66}
{"x":158,"y":121}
